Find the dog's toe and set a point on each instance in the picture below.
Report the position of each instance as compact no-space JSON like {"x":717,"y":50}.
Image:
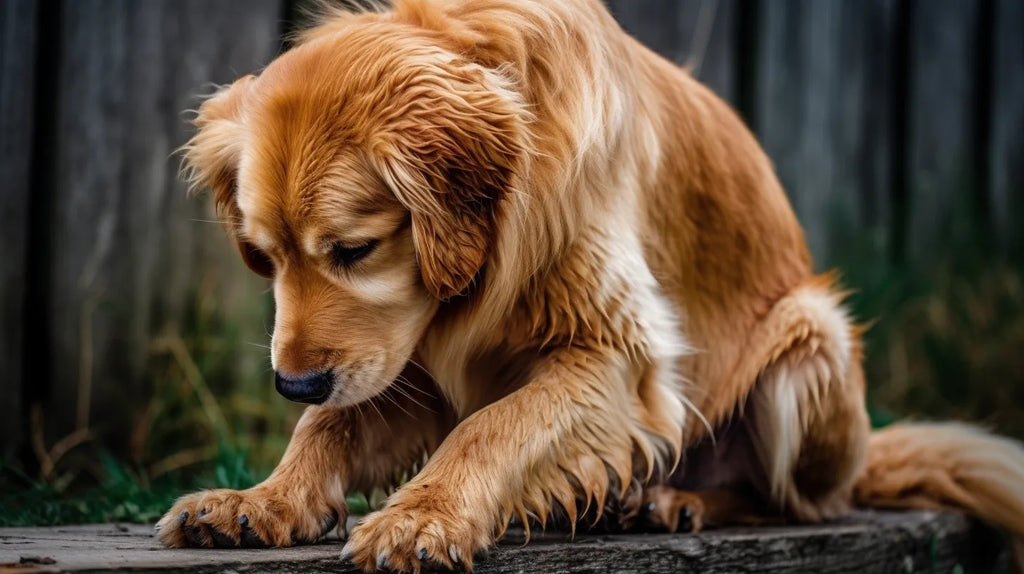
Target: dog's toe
{"x":673,"y":510}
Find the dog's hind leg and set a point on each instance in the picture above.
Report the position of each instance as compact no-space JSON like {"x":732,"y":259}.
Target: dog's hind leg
{"x":806,"y":413}
{"x":797,"y":442}
{"x":332,"y":451}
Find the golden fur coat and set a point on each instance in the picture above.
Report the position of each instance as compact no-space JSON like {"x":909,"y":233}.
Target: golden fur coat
{"x":509,"y":240}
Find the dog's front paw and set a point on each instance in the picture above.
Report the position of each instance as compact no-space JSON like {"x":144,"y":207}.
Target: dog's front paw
{"x":424,"y":530}
{"x":265,"y":515}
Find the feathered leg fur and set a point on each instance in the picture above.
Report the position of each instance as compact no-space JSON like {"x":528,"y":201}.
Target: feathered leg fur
{"x":567,"y":432}
{"x":806,"y":419}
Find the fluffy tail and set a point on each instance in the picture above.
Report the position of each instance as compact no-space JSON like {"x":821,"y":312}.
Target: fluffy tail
{"x":947,"y":466}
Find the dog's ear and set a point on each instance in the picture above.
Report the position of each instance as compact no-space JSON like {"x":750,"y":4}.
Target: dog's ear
{"x":457,"y":148}
{"x":211,"y":157}
{"x":211,"y":161}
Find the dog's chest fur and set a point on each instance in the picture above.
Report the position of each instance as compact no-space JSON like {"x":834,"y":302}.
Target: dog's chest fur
{"x":599,"y":296}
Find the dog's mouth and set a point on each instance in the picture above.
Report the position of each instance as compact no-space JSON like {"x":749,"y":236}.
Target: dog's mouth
{"x":312,"y":389}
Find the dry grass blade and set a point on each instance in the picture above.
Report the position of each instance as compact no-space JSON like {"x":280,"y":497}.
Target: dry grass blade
{"x":176,"y":347}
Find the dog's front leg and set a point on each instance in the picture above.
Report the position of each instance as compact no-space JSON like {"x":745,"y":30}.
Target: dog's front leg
{"x":556,"y":438}
{"x":333,"y":450}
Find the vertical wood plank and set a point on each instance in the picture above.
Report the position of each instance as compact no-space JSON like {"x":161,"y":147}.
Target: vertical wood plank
{"x":686,"y":31}
{"x":942,"y":171}
{"x":866,"y":126}
{"x":1007,"y":125}
{"x":18,"y":21}
{"x":127,"y":249}
{"x":823,"y":113}
{"x":795,"y":88}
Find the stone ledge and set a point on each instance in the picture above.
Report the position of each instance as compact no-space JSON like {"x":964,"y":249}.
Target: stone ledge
{"x":863,"y":542}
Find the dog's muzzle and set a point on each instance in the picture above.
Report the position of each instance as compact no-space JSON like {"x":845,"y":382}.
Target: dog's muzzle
{"x":313,"y":389}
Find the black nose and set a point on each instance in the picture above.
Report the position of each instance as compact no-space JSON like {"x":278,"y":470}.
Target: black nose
{"x":313,"y":389}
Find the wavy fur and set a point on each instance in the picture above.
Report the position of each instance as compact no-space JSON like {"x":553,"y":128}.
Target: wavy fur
{"x":579,"y":274}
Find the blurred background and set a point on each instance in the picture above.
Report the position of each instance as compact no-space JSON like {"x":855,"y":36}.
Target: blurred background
{"x":133,"y":341}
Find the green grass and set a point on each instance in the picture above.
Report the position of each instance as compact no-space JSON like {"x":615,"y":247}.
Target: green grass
{"x":213,"y":420}
{"x":39,"y":504}
{"x":947,"y":331}
{"x":122,"y":495}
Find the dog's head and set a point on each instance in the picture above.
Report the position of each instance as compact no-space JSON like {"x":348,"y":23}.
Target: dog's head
{"x":363,"y":172}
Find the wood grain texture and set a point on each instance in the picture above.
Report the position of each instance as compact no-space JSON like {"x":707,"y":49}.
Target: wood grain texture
{"x":941,"y":164}
{"x":129,"y":251}
{"x":1007,"y":125}
{"x":823,"y":108}
{"x":18,"y":20}
{"x":866,"y":542}
{"x":696,"y":33}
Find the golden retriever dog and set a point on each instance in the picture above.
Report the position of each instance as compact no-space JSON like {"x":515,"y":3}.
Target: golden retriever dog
{"x":524,"y":260}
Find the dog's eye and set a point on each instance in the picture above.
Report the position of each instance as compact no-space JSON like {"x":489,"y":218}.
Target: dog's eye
{"x":344,"y":255}
{"x":256,"y":260}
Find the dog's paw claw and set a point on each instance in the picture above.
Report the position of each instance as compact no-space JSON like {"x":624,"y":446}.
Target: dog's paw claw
{"x":673,"y":510}
{"x":346,"y":553}
{"x":266,"y":515}
{"x":328,"y":523}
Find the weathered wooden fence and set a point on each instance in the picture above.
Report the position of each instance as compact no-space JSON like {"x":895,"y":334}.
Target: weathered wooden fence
{"x":886,"y":119}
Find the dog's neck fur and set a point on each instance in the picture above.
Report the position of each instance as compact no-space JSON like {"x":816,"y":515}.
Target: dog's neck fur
{"x":571,"y":197}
